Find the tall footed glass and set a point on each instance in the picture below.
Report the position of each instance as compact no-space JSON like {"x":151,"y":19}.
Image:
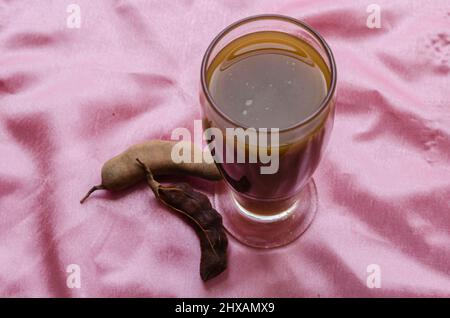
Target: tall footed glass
{"x":267,"y":95}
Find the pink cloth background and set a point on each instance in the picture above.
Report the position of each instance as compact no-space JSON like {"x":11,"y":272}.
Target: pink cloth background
{"x":72,"y":98}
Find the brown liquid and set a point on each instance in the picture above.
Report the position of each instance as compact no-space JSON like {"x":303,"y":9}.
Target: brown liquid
{"x":271,"y":80}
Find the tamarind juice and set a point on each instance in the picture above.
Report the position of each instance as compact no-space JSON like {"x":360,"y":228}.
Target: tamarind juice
{"x":271,"y":79}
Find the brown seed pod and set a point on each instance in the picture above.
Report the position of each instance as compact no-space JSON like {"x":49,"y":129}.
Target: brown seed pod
{"x":122,"y":171}
{"x":207,"y":222}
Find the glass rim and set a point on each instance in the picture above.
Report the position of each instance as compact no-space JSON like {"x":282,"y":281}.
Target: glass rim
{"x":284,"y":18}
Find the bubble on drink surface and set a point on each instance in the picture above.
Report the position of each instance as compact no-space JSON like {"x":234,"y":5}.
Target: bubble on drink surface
{"x":289,"y":82}
{"x":244,"y":112}
{"x":249,"y":102}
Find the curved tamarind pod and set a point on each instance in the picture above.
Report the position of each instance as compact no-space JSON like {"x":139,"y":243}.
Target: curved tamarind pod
{"x":207,"y":222}
{"x":121,"y":171}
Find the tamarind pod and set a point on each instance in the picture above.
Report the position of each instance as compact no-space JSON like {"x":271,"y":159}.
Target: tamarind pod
{"x":206,"y":221}
{"x":121,"y":171}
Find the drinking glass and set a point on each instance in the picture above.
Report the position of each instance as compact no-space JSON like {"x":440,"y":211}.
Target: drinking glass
{"x":270,"y":210}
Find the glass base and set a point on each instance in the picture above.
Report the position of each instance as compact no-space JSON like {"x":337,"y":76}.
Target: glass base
{"x":266,"y":231}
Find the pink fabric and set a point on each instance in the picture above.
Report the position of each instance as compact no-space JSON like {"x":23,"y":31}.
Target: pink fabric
{"x":72,"y":98}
